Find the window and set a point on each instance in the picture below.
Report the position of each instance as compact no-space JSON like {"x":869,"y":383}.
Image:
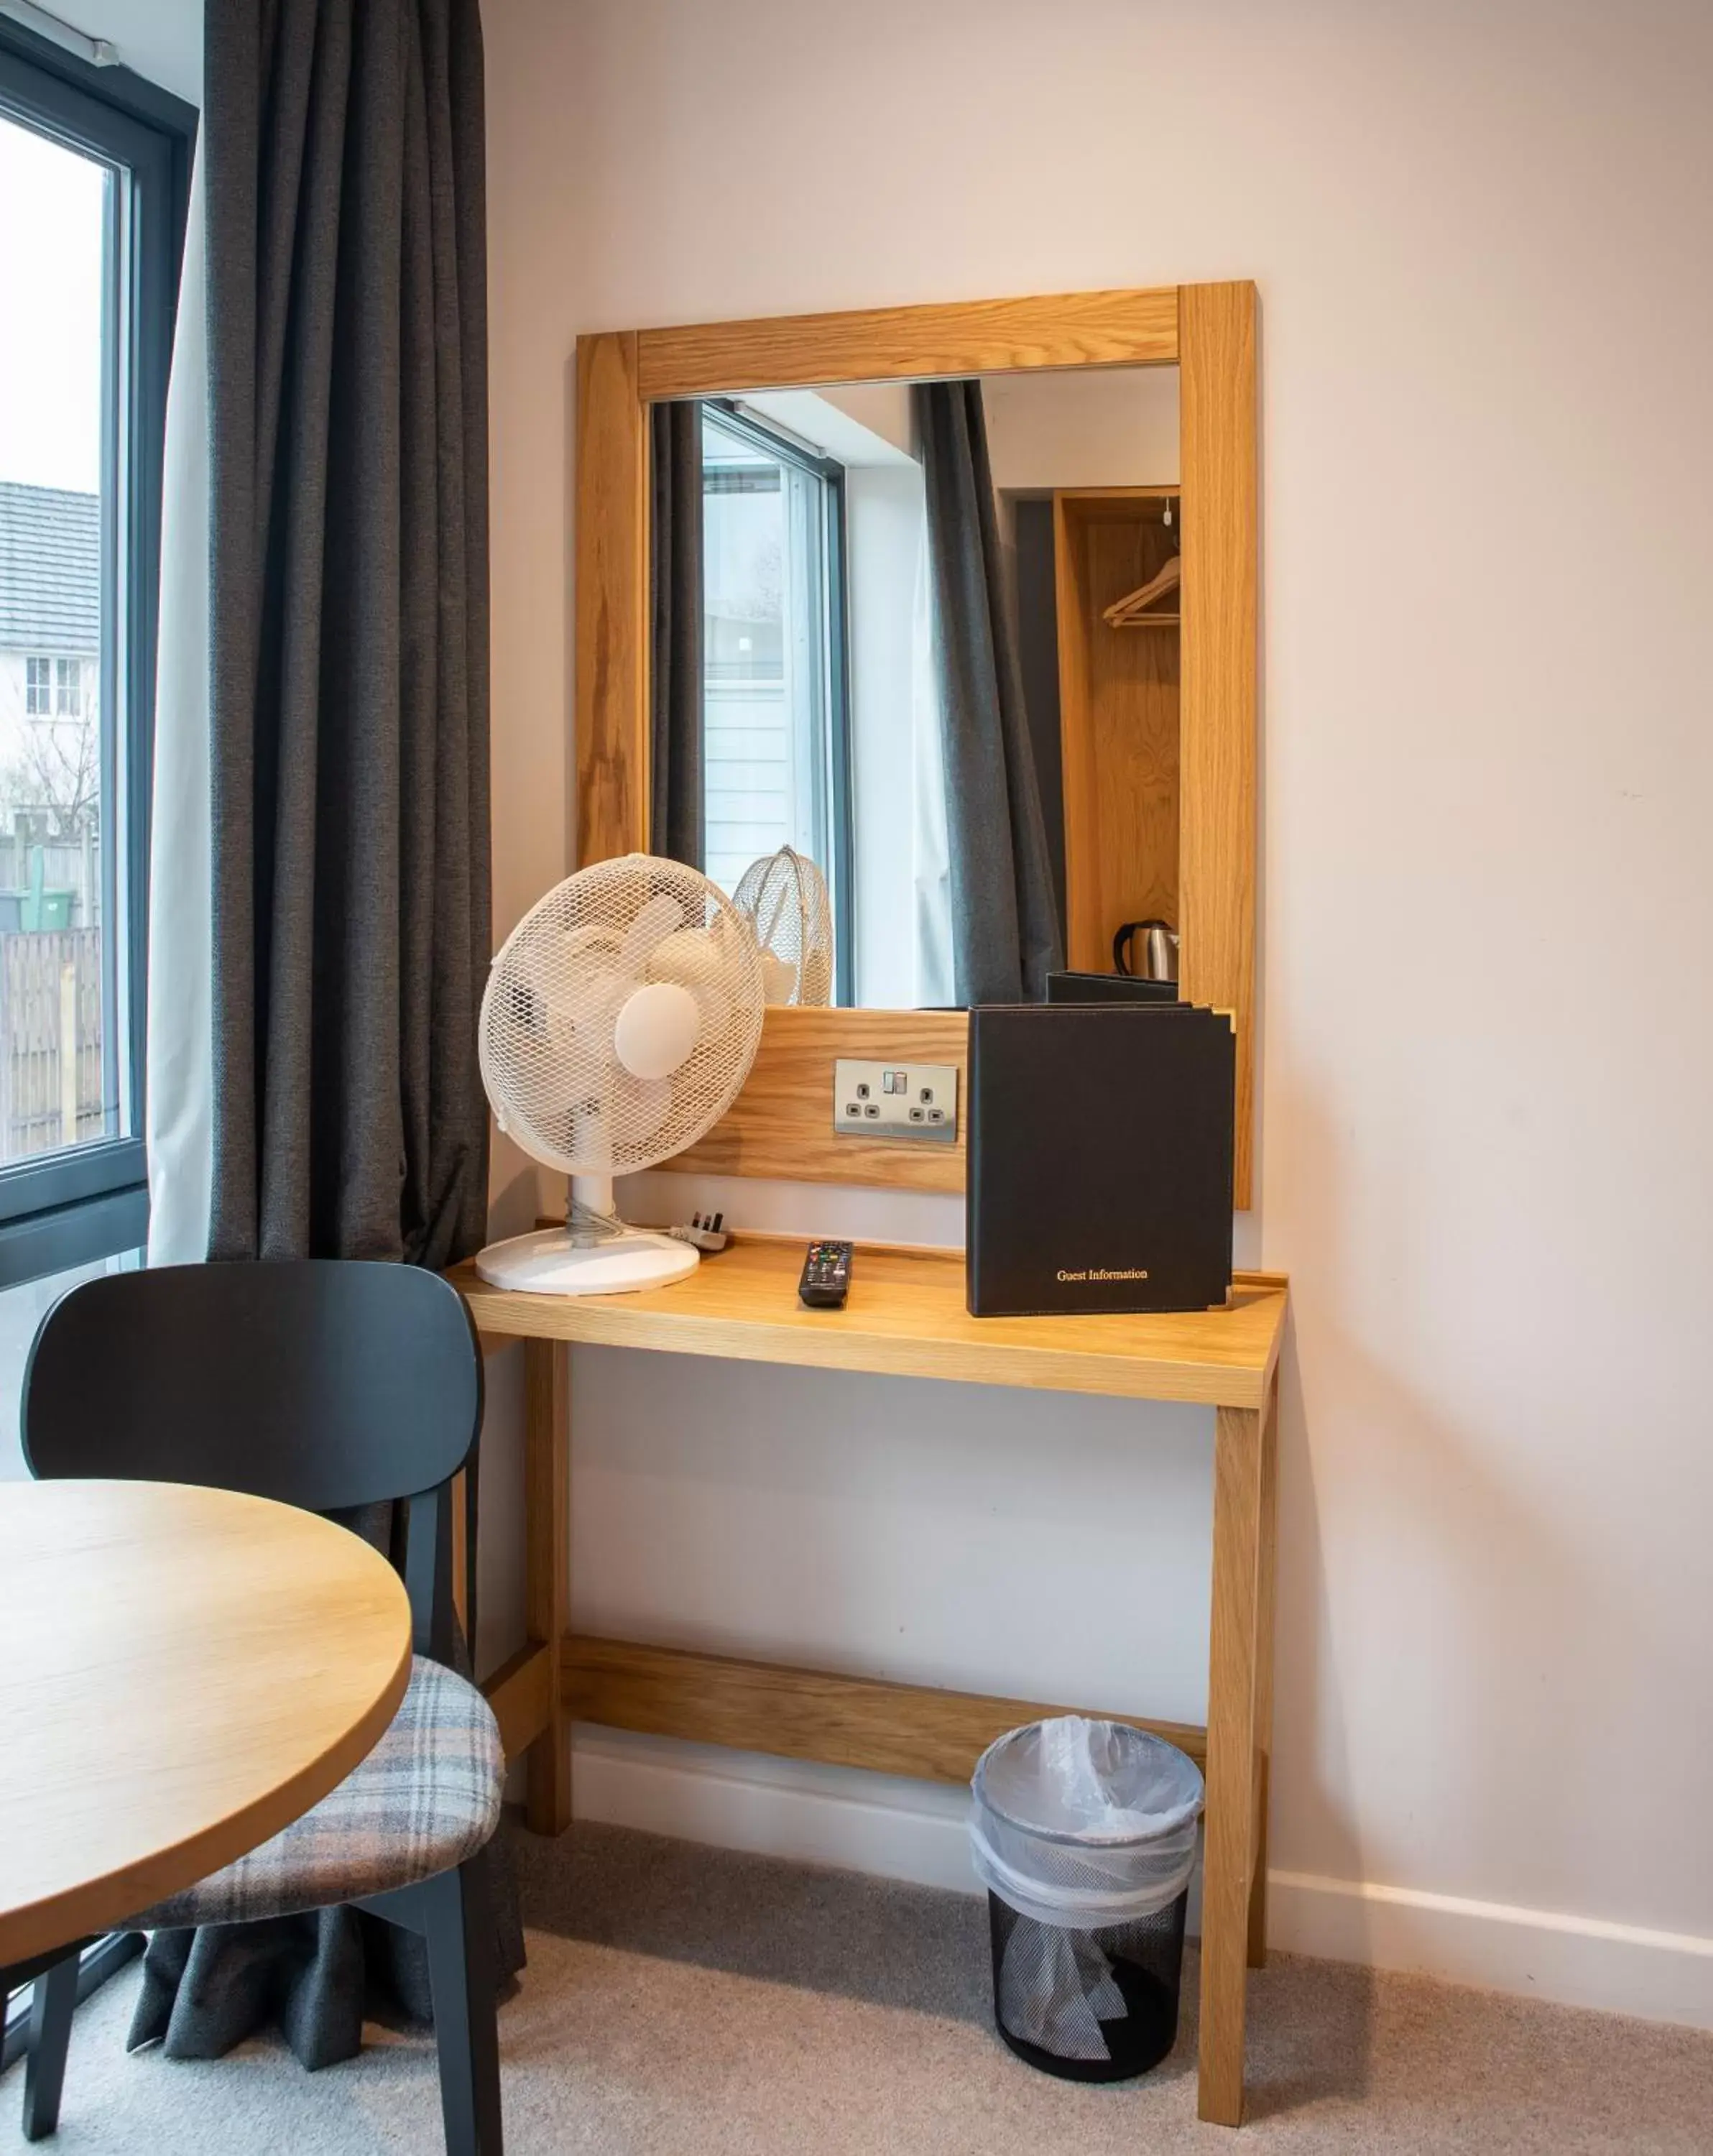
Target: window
{"x":67,"y":688}
{"x":94,"y":167}
{"x":776,"y":743}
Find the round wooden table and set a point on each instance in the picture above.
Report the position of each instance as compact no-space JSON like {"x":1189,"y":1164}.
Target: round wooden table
{"x":182,"y":1673}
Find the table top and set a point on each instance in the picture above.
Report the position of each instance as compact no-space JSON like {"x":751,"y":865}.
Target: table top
{"x":905,"y":1315}
{"x":182,"y":1673}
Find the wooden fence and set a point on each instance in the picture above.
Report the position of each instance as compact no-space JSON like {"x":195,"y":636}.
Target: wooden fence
{"x":50,"y":1039}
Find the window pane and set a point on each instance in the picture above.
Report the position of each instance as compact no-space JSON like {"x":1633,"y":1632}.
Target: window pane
{"x":61,"y":1082}
{"x":764,"y":660}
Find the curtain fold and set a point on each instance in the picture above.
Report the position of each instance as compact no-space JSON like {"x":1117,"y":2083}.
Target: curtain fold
{"x":930,"y":854}
{"x":178,"y":1045}
{"x":677,"y":821}
{"x":1005,"y":929}
{"x":346,"y":745}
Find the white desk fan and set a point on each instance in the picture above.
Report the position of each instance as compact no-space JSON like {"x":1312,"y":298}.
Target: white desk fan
{"x":783,"y":895}
{"x":621,"y":1016}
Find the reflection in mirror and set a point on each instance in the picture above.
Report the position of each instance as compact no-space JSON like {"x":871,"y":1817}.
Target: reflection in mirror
{"x":923,"y":638}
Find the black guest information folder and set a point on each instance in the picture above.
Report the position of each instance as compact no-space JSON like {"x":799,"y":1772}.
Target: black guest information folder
{"x":1100,"y":1166}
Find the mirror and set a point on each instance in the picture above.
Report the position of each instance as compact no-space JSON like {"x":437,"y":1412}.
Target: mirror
{"x":1157,"y":752}
{"x":926,"y":635}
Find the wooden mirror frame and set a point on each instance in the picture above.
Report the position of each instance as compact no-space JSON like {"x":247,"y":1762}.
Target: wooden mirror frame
{"x":782,"y":1125}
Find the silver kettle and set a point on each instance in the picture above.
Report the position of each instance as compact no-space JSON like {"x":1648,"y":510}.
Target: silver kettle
{"x":1159,"y":950}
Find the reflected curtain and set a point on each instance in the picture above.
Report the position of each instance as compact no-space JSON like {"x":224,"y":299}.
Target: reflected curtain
{"x":1005,"y":929}
{"x":347,"y":737}
{"x":677,"y":824}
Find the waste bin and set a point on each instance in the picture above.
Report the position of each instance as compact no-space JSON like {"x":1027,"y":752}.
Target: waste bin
{"x":47,"y":909}
{"x":1084,"y":1833}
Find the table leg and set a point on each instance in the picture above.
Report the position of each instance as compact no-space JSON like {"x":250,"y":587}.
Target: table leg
{"x":547,"y":1566}
{"x":1233,"y":1700}
{"x":1264,"y":1672}
{"x":460,"y":1561}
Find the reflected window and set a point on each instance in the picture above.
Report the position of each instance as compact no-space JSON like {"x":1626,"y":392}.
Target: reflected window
{"x":774,"y":663}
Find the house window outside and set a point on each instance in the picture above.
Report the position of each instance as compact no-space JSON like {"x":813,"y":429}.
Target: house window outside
{"x":38,"y":699}
{"x":67,"y":689}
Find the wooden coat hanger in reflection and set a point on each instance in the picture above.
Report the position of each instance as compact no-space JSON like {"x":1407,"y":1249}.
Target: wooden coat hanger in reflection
{"x":1130,"y":612}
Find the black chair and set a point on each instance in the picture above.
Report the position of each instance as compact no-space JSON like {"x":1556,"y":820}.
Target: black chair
{"x":334,"y":1386}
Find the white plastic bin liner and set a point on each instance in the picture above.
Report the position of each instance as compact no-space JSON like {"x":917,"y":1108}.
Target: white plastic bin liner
{"x":1082,"y":1826}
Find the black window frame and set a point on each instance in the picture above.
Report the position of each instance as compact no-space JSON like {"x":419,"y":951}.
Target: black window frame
{"x":90,"y":1201}
{"x":774,"y":442}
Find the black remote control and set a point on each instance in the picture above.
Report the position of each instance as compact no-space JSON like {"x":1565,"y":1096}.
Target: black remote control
{"x":826,"y":1276}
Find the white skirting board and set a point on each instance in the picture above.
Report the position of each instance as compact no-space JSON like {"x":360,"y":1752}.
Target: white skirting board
{"x":809,"y":1815}
{"x":1578,"y":1961}
{"x":916,"y":1831}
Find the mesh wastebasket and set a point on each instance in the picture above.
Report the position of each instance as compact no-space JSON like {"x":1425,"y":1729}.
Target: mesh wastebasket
{"x":1083,"y":1834}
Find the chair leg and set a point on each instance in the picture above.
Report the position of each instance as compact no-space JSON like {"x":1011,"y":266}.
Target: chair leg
{"x":459,"y":1930}
{"x":51,"y":2007}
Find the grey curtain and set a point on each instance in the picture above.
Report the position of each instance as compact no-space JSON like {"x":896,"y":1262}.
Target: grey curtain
{"x":348,"y":696}
{"x":348,"y":662}
{"x":1005,"y":930}
{"x":677,"y":824}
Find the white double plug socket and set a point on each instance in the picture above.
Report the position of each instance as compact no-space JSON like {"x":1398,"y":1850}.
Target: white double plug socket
{"x":895,"y":1101}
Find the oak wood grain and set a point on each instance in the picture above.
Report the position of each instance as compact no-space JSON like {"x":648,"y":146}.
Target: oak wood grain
{"x":880,"y":344}
{"x":905,"y":1315}
{"x":1232,"y":1730}
{"x":794,"y":1713}
{"x":1218,"y":746}
{"x":182,"y":1673}
{"x":521,"y":1693}
{"x":460,"y":1554}
{"x":781,"y":1124}
{"x":611,"y":620}
{"x":547,"y":1564}
{"x":1265,"y":1598}
{"x":1118,"y":703}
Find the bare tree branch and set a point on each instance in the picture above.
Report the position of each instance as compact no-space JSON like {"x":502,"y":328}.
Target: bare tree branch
{"x":57,"y":771}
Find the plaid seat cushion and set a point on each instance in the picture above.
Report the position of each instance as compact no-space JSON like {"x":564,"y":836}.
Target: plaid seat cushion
{"x":427,"y":1797}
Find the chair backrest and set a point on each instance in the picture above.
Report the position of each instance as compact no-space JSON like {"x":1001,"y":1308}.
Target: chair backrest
{"x":329,"y":1384}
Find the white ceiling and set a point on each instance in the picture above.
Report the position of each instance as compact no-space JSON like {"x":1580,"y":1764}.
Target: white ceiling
{"x":162,"y":39}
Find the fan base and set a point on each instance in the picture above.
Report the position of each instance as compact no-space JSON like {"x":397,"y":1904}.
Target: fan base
{"x":546,"y":1263}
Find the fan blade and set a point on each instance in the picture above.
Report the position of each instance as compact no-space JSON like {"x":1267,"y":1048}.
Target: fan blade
{"x":690,"y":957}
{"x":654,"y":922}
{"x":640,"y":1107}
{"x":778,"y":978}
{"x":700,"y":960}
{"x":550,"y":967}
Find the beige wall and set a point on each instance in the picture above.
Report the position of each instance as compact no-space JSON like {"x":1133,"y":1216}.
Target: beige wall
{"x":1481,"y":235}
{"x":1104,"y":427}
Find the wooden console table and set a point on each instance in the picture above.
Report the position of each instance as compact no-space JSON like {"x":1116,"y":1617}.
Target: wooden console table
{"x":906,"y":1317}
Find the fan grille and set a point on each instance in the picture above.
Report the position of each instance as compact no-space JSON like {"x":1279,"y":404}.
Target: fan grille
{"x":554,"y":994}
{"x":784,"y":897}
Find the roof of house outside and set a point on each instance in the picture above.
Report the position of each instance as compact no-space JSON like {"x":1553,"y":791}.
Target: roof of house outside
{"x":50,"y":569}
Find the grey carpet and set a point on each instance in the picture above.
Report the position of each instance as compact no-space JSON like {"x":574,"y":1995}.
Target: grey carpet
{"x":682,"y":2001}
